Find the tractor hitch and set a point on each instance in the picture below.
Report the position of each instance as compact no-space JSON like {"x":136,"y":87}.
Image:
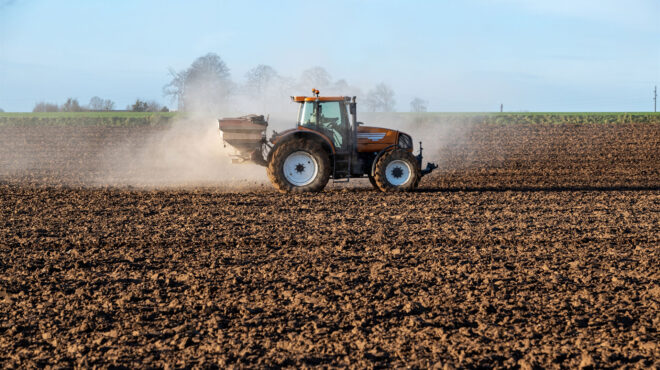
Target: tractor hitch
{"x":429,"y":166}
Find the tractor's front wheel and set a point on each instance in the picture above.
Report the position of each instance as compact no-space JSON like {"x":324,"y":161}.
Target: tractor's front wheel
{"x":397,"y":170}
{"x":299,"y":165}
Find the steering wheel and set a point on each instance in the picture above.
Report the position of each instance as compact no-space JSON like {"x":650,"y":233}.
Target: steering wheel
{"x":331,"y":123}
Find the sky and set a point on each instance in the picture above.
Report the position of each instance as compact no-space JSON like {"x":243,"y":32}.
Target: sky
{"x":472,"y":55}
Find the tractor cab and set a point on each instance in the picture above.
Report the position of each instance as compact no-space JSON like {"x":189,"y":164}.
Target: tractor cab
{"x":328,"y":116}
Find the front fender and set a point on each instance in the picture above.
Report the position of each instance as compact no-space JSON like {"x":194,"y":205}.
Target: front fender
{"x":380,"y":154}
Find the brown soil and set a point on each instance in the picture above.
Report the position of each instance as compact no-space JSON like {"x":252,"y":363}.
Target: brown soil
{"x":532,"y":246}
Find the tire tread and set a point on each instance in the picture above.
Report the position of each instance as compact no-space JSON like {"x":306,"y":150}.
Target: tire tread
{"x":381,"y":180}
{"x":276,"y":175}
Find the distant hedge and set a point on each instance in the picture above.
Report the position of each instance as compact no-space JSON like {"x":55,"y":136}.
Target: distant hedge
{"x":87,"y":118}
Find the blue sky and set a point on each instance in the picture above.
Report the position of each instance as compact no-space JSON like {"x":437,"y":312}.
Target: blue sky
{"x":556,"y":55}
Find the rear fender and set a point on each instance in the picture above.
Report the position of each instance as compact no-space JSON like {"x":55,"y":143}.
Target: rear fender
{"x":304,"y":134}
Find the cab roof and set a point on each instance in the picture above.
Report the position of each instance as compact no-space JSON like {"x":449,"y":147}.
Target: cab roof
{"x":300,"y":99}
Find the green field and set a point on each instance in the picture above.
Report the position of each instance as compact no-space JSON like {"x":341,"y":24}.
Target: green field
{"x":87,"y":118}
{"x":149,"y":118}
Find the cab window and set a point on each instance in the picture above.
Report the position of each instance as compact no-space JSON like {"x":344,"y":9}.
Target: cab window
{"x":331,"y":120}
{"x":307,"y":114}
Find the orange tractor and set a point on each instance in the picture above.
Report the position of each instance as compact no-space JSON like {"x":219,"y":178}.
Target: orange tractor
{"x":327,"y":142}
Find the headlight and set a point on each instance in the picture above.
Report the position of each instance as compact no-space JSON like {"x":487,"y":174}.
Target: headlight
{"x":405,"y":141}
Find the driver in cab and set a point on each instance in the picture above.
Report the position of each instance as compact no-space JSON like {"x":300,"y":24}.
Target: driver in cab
{"x":327,"y":125}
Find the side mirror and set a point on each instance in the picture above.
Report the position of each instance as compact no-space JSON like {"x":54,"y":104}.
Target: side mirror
{"x":353,"y":108}
{"x":360,"y":123}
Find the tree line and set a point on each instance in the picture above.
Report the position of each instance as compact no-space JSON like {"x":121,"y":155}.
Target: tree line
{"x":207,"y":85}
{"x":72,"y":105}
{"x":97,"y":104}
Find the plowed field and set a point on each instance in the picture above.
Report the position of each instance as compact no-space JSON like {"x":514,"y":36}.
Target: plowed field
{"x":531,"y":246}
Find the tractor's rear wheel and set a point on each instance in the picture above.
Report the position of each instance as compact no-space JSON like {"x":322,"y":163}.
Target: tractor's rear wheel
{"x":373,"y":182}
{"x":397,"y":170}
{"x":298,"y":166}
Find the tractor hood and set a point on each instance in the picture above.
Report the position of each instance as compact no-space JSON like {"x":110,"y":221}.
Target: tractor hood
{"x":370,"y":139}
{"x":375,"y":139}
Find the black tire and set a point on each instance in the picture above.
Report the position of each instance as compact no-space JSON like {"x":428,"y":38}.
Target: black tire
{"x":373,"y":182}
{"x":381,"y":178}
{"x":281,"y":153}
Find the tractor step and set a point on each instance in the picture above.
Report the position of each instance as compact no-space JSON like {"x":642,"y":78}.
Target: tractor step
{"x":342,"y":169}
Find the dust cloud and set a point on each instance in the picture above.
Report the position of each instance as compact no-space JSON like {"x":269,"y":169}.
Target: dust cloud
{"x":437,"y":132}
{"x":187,"y":152}
{"x":190,"y":152}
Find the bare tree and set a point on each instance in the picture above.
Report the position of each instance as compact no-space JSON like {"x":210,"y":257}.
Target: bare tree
{"x":204,"y":86}
{"x":341,"y":87}
{"x":176,"y":88}
{"x":380,"y":99}
{"x":98,"y":104}
{"x":71,"y":105}
{"x":153,"y":106}
{"x":108,"y":104}
{"x":315,"y":78}
{"x":259,"y":79}
{"x":138,"y":106}
{"x":264,"y":85}
{"x":45,"y":107}
{"x":146,"y":106}
{"x":95,"y":103}
{"x":418,"y":105}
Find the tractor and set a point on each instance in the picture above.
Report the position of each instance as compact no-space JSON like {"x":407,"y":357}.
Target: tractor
{"x":327,"y":142}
